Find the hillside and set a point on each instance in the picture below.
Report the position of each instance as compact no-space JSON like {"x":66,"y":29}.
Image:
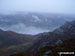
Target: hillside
{"x":61,"y":39}
{"x":11,"y":41}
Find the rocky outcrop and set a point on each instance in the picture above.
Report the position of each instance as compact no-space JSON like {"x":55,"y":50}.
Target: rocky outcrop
{"x":58,"y":36}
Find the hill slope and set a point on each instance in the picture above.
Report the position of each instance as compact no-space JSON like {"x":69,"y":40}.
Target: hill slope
{"x":61,"y":39}
{"x":11,"y":41}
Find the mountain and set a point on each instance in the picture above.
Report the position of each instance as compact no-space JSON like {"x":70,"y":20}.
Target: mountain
{"x":11,"y":42}
{"x":16,"y":29}
{"x":50,"y":43}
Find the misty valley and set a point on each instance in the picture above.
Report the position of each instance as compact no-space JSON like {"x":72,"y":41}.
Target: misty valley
{"x":36,"y":34}
{"x":37,"y":27}
{"x":32,"y":23}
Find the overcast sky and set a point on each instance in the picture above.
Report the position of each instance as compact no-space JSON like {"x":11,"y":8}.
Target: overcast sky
{"x":52,"y":6}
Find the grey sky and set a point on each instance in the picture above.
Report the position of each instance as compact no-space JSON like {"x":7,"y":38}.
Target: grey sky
{"x":53,"y":6}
